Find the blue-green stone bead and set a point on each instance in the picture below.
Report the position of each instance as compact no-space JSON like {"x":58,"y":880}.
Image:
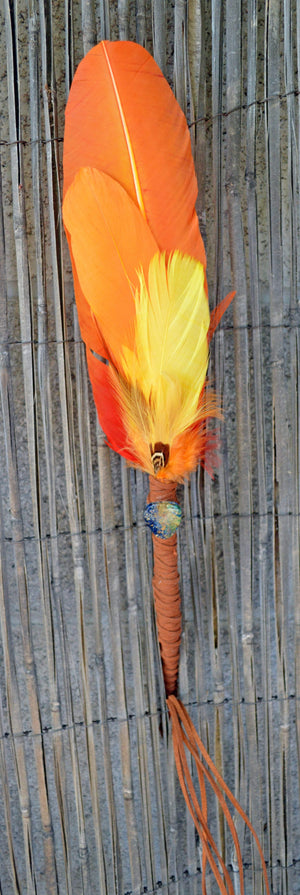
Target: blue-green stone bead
{"x":163,"y":517}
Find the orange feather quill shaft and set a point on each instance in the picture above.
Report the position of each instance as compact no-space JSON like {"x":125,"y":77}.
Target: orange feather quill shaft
{"x":139,"y":271}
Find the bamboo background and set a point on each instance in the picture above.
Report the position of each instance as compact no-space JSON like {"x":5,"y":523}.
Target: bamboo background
{"x":89,"y":801}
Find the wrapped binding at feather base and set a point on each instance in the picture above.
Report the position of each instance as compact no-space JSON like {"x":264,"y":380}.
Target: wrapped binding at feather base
{"x":139,"y":271}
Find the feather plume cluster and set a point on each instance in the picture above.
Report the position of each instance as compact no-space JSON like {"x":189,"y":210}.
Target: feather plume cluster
{"x":138,"y":260}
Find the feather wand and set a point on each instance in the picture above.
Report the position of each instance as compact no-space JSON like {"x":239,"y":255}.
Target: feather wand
{"x":139,"y":270}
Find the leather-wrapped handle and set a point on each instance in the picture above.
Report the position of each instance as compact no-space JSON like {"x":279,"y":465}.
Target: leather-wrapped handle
{"x":166,"y":591}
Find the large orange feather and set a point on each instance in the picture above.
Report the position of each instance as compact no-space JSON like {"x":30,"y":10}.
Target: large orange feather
{"x":123,"y":119}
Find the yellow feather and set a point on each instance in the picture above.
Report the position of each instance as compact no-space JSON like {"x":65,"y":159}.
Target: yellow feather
{"x":165,"y":373}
